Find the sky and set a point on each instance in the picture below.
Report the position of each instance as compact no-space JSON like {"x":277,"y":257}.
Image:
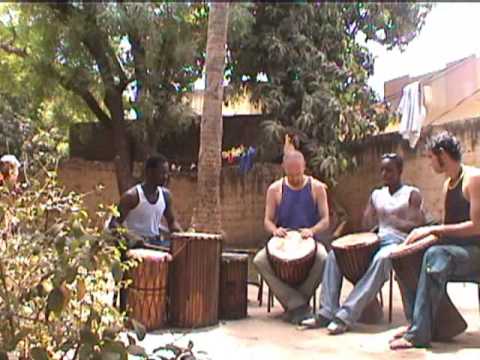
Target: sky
{"x":451,"y":32}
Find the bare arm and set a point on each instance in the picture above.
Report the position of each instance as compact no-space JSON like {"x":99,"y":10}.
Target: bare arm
{"x":172,"y":222}
{"x":127,"y":202}
{"x":270,"y":211}
{"x":369,"y":216}
{"x":322,"y":204}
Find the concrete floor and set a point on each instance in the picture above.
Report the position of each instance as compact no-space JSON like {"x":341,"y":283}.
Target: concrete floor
{"x":265,"y":336}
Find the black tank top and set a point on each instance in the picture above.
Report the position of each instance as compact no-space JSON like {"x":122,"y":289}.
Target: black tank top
{"x":457,"y":210}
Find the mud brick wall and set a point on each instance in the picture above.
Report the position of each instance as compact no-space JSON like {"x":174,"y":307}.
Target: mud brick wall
{"x":243,"y":197}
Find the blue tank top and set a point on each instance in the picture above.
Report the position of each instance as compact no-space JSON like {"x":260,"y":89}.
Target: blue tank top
{"x":297,"y":208}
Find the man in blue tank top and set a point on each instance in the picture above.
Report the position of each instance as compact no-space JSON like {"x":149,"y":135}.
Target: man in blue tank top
{"x":295,"y":202}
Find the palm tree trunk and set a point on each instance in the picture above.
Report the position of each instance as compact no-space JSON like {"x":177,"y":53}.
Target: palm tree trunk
{"x":207,"y":215}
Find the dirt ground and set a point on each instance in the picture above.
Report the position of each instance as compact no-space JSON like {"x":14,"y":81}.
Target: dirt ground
{"x":264,"y":335}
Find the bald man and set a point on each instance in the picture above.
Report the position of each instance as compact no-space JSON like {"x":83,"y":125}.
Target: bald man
{"x":295,"y":202}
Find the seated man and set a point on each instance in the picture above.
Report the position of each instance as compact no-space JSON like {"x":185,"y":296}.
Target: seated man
{"x":295,"y":202}
{"x":396,"y":209}
{"x":457,"y":257}
{"x":143,"y":206}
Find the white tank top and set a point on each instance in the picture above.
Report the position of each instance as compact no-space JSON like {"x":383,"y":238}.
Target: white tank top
{"x":386,"y":205}
{"x":145,"y":218}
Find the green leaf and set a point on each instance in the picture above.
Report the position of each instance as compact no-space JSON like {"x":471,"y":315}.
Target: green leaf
{"x":136,"y":350}
{"x":139,"y":329}
{"x":88,"y":337}
{"x":114,"y":347}
{"x":60,"y":245}
{"x":39,"y":353}
{"x":56,"y":301}
{"x":117,"y":271}
{"x":85,"y":351}
{"x":70,"y":274}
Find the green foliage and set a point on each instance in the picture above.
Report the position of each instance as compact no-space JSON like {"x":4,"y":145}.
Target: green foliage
{"x":75,"y":53}
{"x":316,"y":71}
{"x":55,"y":271}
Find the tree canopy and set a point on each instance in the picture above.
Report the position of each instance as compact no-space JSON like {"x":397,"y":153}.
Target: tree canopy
{"x":315,"y":70}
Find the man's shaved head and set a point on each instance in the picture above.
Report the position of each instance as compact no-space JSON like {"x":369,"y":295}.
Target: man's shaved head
{"x":293,"y":163}
{"x":293,"y":155}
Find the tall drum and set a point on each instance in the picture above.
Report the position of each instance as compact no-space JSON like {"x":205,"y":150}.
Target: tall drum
{"x":233,"y":286}
{"x":194,"y":279}
{"x":291,"y":257}
{"x":147,"y":295}
{"x":354,"y":253}
{"x":407,"y":262}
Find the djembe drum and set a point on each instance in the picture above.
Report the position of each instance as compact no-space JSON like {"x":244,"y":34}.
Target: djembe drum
{"x":354,"y":254}
{"x":147,"y":295}
{"x":233,"y":286}
{"x":194,"y":279}
{"x":291,"y":257}
{"x":407,"y":262}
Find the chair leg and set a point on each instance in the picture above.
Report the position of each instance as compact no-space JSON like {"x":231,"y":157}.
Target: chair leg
{"x":479,"y":296}
{"x":269,"y":300}
{"x":390,"y":298}
{"x":260,"y":293}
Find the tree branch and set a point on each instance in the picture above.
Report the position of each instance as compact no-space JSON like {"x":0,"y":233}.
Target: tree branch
{"x":97,"y":44}
{"x":91,"y":102}
{"x":10,"y":49}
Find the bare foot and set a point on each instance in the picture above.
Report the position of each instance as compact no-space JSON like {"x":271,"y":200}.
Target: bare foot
{"x":399,"y":333}
{"x":401,"y":344}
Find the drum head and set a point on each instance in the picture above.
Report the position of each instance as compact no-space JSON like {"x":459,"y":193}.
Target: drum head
{"x":355,"y":240}
{"x":291,"y":247}
{"x":149,"y":254}
{"x":195,"y":235}
{"x":234,"y":256}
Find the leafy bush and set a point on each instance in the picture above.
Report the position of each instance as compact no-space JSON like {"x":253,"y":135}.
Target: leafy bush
{"x":55,"y":271}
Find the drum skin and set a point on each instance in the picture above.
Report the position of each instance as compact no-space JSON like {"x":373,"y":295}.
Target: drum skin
{"x":291,"y":269}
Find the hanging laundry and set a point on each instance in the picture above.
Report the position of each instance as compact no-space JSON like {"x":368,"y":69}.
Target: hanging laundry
{"x":413,"y":113}
{"x":246,"y":160}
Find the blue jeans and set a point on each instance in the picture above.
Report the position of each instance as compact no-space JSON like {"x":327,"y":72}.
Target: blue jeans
{"x":441,"y":263}
{"x":159,"y":241}
{"x":364,"y":291}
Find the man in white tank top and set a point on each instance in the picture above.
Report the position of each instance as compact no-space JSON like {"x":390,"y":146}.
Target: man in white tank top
{"x":396,"y":209}
{"x":143,"y":206}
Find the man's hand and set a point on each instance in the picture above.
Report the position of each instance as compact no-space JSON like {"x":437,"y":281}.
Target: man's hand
{"x":420,"y":233}
{"x":280,"y":232}
{"x":306,"y":233}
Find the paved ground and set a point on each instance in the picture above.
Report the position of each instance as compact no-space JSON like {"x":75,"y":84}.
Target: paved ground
{"x":264,"y":336}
